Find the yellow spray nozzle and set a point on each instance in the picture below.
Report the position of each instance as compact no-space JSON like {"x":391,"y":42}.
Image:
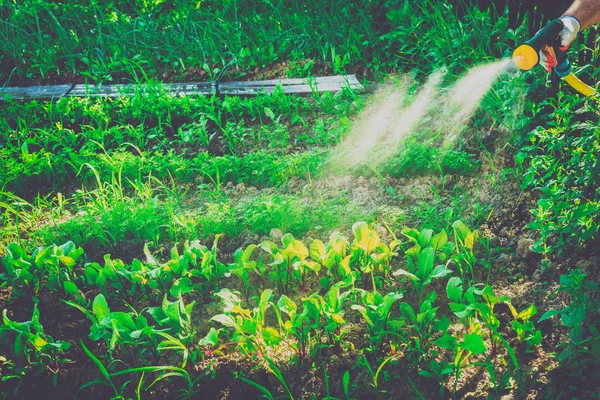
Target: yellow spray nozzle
{"x":525,"y":57}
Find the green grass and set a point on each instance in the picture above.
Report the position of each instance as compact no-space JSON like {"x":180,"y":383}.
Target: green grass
{"x":139,"y":40}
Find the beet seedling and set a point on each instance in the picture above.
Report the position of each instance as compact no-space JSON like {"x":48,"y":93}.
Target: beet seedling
{"x":28,"y":349}
{"x":116,"y":278}
{"x":419,"y":327}
{"x":376,"y":310}
{"x":244,"y":268}
{"x":328,"y":313}
{"x":51,"y":265}
{"x":115,"y":327}
{"x":298,"y":326}
{"x":289,"y":262}
{"x":250,"y":332}
{"x":369,"y":253}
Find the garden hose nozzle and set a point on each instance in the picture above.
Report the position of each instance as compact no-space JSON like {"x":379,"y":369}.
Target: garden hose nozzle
{"x":526,"y":56}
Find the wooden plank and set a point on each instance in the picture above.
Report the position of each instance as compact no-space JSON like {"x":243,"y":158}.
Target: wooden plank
{"x":321,"y":84}
{"x":181,"y":89}
{"x":336,"y":79}
{"x":306,"y":85}
{"x":101,"y":91}
{"x":191,"y":88}
{"x":33,"y":92}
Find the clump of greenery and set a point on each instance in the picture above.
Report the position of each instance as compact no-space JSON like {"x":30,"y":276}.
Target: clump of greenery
{"x":580,"y":354}
{"x":289,"y":213}
{"x":418,"y":157}
{"x":562,"y":164}
{"x":460,"y":162}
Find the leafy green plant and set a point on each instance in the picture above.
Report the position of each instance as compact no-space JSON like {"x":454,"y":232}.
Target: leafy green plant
{"x":117,"y":328}
{"x":250,"y":332}
{"x":245,"y":268}
{"x":370,"y":254}
{"x":28,"y":350}
{"x":328,"y":312}
{"x":299,"y":326}
{"x":581,"y":353}
{"x":560,"y":163}
{"x":420,"y":325}
{"x":525,"y":329}
{"x":176,"y":315}
{"x":422,"y":272}
{"x":116,"y":279}
{"x":475,"y":308}
{"x":376,"y":310}
{"x":464,"y":258}
{"x":289,"y":263}
{"x":333,"y":257}
{"x":51,"y":266}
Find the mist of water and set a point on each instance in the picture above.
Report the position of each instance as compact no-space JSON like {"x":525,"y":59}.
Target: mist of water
{"x":385,"y":122}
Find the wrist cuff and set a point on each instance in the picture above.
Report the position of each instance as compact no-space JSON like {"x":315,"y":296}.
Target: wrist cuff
{"x":576,"y":20}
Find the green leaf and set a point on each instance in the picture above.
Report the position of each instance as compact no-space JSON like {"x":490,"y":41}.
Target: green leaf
{"x":425,"y":373}
{"x":211,"y":339}
{"x":425,"y":263}
{"x":424,"y":237}
{"x":317,"y":250}
{"x":402,"y":272}
{"x":248,"y":253}
{"x":269,"y":113}
{"x":439,"y":240}
{"x":460,"y":310}
{"x":575,"y":316}
{"x":287,"y":240}
{"x":461,"y":230}
{"x":454,"y":289}
{"x":360,"y":230}
{"x":442,"y":324}
{"x":100,"y":307}
{"x":441,"y":271}
{"x":473,"y":342}
{"x":91,"y":274}
{"x":470,"y":240}
{"x":346,"y":383}
{"x":447,"y":341}
{"x":71,"y":288}
{"x":529,"y":312}
{"x":181,"y":286}
{"x":550,"y":314}
{"x":225,"y":320}
{"x":286,"y":305}
{"x":414,"y":251}
{"x":411,"y":234}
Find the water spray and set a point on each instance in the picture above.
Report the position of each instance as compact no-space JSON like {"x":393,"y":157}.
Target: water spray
{"x":526,"y":56}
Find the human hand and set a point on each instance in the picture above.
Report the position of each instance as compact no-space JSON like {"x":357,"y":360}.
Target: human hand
{"x":567,"y":36}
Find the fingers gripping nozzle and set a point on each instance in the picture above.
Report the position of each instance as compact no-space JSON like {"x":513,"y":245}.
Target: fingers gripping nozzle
{"x":526,"y":56}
